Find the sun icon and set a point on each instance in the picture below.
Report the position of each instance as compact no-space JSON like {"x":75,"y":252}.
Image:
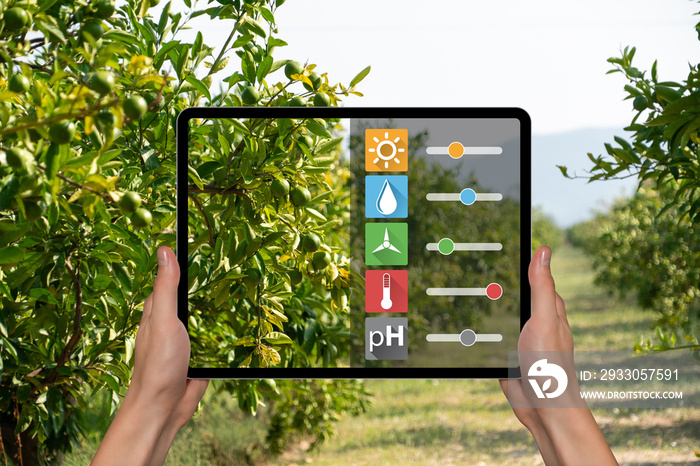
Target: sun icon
{"x":386,"y":149}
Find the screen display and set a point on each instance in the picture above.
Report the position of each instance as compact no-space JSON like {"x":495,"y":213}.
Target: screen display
{"x":361,"y":243}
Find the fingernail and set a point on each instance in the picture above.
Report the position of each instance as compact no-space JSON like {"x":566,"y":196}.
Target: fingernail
{"x":546,"y":256}
{"x":162,"y":257}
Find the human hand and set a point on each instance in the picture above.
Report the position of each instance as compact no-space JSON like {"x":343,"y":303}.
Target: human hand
{"x":160,"y":398}
{"x":563,"y":435}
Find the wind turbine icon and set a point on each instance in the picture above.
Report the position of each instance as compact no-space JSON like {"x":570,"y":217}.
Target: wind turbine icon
{"x":386,"y":244}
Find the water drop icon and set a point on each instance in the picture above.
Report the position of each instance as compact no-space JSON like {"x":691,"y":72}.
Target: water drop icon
{"x":386,"y":202}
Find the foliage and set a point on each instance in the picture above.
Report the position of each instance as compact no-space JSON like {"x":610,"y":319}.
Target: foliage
{"x":313,"y":409}
{"x":656,"y":258}
{"x":77,"y":261}
{"x":666,"y":145}
{"x":249,"y":248}
{"x":544,"y":231}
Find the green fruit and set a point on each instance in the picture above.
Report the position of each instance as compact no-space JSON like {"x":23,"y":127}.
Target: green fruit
{"x":252,"y":279}
{"x":315,"y":81}
{"x":32,"y":211}
{"x":322,"y":100}
{"x":293,"y":67}
{"x":153,"y":3}
{"x":297,"y":102}
{"x":250,"y":95}
{"x":62,"y":132}
{"x":295,"y":277}
{"x":321,"y":260}
{"x":104,"y":9}
{"x":105,"y":120}
{"x":93,"y":28}
{"x":129,"y":202}
{"x":279,"y":188}
{"x":151,"y":97}
{"x":268,"y":385}
{"x":16,"y":18}
{"x":101,"y":82}
{"x":301,"y":196}
{"x":310,"y":242}
{"x":17,"y":158}
{"x":19,"y":84}
{"x":135,"y":107}
{"x":640,"y":103}
{"x":141,"y":218}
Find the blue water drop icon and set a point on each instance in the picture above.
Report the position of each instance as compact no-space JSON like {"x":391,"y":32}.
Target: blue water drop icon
{"x":386,"y":202}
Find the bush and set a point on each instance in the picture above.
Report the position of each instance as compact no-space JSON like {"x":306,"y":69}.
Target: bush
{"x":77,"y":263}
{"x":656,"y":258}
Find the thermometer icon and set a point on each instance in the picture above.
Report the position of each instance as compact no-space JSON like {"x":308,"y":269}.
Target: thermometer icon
{"x":386,"y":292}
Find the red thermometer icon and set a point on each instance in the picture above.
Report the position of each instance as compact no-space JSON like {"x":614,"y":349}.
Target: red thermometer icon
{"x":386,"y":292}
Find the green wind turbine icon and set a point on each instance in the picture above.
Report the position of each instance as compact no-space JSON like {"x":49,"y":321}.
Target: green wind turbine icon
{"x":386,"y":244}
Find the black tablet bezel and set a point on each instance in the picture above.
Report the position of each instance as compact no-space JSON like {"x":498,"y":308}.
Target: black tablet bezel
{"x":357,"y":112}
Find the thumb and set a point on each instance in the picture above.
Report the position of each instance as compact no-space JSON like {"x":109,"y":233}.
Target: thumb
{"x":544,"y":296}
{"x":165,"y":285}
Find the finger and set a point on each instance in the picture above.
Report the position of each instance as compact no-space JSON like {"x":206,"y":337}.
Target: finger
{"x":195,"y":390}
{"x":504,"y":386}
{"x":147,"y":306}
{"x":165,"y":285}
{"x":561,"y":307}
{"x":542,"y":285}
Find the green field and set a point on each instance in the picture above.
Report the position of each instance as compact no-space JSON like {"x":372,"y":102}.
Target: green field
{"x":456,"y":421}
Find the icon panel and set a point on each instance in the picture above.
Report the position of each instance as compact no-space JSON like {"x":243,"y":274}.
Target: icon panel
{"x":386,"y":338}
{"x":386,"y":150}
{"x":386,"y":243}
{"x":386,"y":291}
{"x":386,"y":196}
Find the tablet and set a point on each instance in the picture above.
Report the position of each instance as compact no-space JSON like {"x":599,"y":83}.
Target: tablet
{"x":353,"y":242}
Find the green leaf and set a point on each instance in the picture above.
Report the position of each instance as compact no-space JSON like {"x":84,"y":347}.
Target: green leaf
{"x":264,"y":68}
{"x":278,"y":64}
{"x":49,"y":26}
{"x":242,"y":40}
{"x":245,"y":341}
{"x":267,"y":14}
{"x":163,"y":52}
{"x":52,"y":160}
{"x":275,"y":42}
{"x":116,"y":35}
{"x":327,"y":146}
{"x":277,"y":338}
{"x":199,"y":85}
{"x":360,"y":76}
{"x":318,"y":128}
{"x":11,"y":255}
{"x":254,"y":27}
{"x":10,"y":187}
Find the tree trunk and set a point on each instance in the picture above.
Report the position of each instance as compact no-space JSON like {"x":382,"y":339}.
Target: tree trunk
{"x":13,"y":443}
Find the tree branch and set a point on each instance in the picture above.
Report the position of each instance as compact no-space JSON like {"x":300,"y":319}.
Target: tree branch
{"x":65,"y":116}
{"x":77,"y":331}
{"x":213,"y":189}
{"x":206,"y":219}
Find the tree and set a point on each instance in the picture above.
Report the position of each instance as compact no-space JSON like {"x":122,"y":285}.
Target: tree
{"x":657,"y":258}
{"x":649,"y":244}
{"x":89,"y":96}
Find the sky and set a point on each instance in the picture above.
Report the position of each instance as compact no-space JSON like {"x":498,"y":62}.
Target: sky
{"x":545,"y":56}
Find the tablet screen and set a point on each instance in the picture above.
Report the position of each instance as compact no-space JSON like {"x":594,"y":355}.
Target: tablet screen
{"x":353,"y":243}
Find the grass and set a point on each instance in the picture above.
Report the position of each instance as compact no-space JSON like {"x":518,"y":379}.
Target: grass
{"x":456,"y":421}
